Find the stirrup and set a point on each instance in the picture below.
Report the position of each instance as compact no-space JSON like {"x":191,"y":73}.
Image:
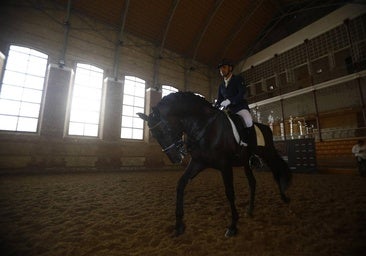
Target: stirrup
{"x":255,"y":162}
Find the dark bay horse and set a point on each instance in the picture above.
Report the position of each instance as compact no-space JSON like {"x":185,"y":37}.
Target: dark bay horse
{"x":211,"y":144}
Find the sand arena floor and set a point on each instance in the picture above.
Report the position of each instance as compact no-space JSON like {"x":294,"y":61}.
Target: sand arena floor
{"x":132,"y":213}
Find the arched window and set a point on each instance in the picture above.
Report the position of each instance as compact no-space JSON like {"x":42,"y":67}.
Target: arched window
{"x":133,"y":102}
{"x":22,"y":89}
{"x":86,"y":101}
{"x":166,"y":89}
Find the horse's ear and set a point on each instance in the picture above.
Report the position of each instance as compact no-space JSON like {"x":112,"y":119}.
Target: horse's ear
{"x":143,"y":116}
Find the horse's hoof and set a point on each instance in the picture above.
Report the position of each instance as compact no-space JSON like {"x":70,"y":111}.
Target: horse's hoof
{"x":230,"y":232}
{"x":180,"y":230}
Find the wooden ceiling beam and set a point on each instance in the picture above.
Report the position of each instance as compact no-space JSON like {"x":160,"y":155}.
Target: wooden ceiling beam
{"x":120,"y":40}
{"x":239,"y":26}
{"x":207,"y":24}
{"x":168,"y":23}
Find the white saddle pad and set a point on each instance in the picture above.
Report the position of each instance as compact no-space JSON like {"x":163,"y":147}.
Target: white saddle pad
{"x":260,"y":137}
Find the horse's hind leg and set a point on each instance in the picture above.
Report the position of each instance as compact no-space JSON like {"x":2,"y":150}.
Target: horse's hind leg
{"x":252,"y":186}
{"x":280,"y":171}
{"x":227,"y":175}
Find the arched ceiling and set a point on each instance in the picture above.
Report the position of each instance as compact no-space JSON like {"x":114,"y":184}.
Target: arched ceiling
{"x":207,"y":30}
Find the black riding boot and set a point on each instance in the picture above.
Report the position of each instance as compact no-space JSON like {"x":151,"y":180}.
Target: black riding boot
{"x":254,"y":160}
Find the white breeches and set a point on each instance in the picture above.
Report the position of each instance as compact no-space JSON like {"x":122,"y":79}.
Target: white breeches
{"x":245,"y":114}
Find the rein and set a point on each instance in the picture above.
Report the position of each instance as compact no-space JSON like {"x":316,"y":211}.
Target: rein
{"x":156,"y":125}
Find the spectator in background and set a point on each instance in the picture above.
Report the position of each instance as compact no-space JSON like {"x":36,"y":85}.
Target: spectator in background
{"x":359,"y":150}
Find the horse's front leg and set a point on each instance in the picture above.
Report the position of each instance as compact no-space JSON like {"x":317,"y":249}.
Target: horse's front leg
{"x":227,"y":175}
{"x":191,"y":171}
{"x":252,"y":186}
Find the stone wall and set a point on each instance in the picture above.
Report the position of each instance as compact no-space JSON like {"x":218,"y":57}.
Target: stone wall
{"x":89,"y":42}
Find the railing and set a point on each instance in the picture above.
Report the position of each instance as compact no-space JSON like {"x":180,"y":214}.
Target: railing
{"x":328,"y":134}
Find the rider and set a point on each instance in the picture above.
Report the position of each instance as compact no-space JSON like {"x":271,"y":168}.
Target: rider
{"x":231,"y":95}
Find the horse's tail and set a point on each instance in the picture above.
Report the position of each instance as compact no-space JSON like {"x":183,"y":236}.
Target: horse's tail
{"x":280,"y":170}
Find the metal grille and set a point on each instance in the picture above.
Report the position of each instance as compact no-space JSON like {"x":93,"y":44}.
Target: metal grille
{"x":331,"y":42}
{"x":249,"y":76}
{"x":334,"y":39}
{"x":292,"y":57}
{"x":358,"y":34}
{"x":357,"y":28}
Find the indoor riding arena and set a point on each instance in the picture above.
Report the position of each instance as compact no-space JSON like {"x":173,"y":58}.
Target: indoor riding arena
{"x":102,"y":154}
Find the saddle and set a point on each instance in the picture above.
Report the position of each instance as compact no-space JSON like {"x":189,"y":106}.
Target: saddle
{"x":250,"y":136}
{"x":243,"y":132}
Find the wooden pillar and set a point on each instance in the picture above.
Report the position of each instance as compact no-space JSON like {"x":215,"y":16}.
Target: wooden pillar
{"x":2,"y":61}
{"x":112,"y":115}
{"x":152,"y":96}
{"x":57,"y":88}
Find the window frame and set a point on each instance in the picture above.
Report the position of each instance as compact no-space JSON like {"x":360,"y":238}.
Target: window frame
{"x":70,"y":103}
{"x":31,"y":53}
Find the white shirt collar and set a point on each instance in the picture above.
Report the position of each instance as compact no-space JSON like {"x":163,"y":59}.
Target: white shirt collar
{"x":227,"y":80}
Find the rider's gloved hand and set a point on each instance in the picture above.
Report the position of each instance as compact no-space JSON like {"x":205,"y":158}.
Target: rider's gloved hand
{"x":225,"y":103}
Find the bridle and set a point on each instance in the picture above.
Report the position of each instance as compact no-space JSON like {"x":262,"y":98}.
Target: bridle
{"x":177,"y":144}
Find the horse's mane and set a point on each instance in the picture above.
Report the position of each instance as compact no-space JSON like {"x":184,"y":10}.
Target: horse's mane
{"x":182,"y":98}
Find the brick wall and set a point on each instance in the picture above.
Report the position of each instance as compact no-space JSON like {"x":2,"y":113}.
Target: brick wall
{"x":92,"y":43}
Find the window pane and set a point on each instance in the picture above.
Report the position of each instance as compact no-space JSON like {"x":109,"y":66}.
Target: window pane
{"x":137,"y":110}
{"x":9,"y":107}
{"x":27,"y":124}
{"x":91,"y":130}
{"x":22,"y":89}
{"x":128,"y":100}
{"x":11,"y":92}
{"x":138,"y":122}
{"x":140,"y":92}
{"x":29,"y":109}
{"x":17,"y":62}
{"x":127,"y":122}
{"x":137,"y":134}
{"x":8,"y":123}
{"x":139,"y":102}
{"x":127,"y":110}
{"x":128,"y":89}
{"x":126,"y":133}
{"x":92,"y":117}
{"x":31,"y":95}
{"x":77,"y":115}
{"x":76,"y":128}
{"x":36,"y":66}
{"x":14,"y":78}
{"x":34,"y":82}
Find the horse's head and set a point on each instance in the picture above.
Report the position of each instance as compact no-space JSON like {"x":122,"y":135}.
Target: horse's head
{"x":168,"y":135}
